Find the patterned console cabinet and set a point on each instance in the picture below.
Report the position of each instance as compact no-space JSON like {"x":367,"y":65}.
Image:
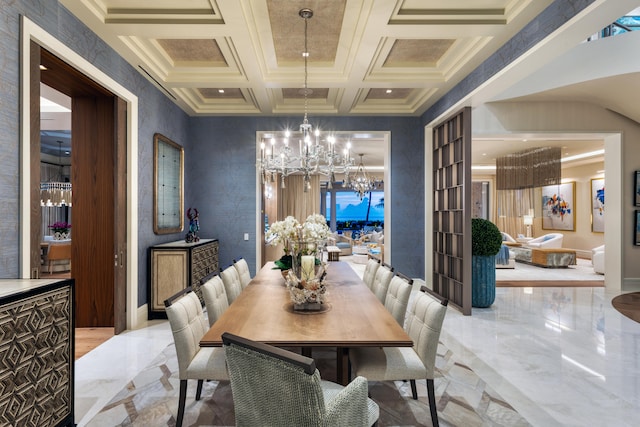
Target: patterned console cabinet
{"x":176,"y":265}
{"x":36,"y":352}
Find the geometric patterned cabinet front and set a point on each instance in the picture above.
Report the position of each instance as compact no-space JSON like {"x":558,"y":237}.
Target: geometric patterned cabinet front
{"x":177,"y":265}
{"x":36,"y":352}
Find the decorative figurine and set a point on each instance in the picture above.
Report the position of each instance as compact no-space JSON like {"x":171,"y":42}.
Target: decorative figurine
{"x":194,"y":226}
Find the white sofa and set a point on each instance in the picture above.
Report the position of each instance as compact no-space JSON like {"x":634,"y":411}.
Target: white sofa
{"x":548,"y":241}
{"x":506,"y":238}
{"x":597,"y":259}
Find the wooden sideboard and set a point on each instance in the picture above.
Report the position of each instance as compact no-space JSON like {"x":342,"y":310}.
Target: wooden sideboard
{"x":37,"y":352}
{"x":177,"y":265}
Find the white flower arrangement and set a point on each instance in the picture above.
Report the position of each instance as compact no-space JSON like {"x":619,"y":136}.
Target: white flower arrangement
{"x":314,"y":228}
{"x":282,"y":232}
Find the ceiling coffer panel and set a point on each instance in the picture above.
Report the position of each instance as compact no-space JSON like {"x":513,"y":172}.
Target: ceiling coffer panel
{"x":417,"y":53}
{"x":389,"y":93}
{"x":315,"y":93}
{"x":288,"y":30}
{"x":193,"y":50}
{"x":219,"y":93}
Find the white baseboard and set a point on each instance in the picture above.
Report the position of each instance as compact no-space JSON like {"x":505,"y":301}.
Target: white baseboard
{"x":141,"y":317}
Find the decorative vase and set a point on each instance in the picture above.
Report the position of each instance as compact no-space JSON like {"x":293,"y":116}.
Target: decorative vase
{"x":303,"y":259}
{"x":304,"y":280}
{"x":60,"y":235}
{"x":483,"y":280}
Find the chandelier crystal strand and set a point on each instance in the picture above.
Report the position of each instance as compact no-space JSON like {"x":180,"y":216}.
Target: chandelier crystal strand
{"x":316,"y":153}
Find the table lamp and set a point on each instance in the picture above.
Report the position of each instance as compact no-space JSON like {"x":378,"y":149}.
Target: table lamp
{"x":528,"y":221}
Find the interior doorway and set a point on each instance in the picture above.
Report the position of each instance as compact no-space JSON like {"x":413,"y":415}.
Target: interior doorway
{"x":98,"y":135}
{"x":375,"y":146}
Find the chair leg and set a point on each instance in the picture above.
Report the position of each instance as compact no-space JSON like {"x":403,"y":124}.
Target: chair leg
{"x":432,"y":403}
{"x":181,"y":399}
{"x":414,"y":391}
{"x":199,"y":389}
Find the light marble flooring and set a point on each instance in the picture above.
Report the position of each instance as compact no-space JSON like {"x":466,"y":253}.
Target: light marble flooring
{"x":558,"y":356}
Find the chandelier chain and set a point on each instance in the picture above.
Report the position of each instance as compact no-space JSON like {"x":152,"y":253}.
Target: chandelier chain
{"x":315,"y":153}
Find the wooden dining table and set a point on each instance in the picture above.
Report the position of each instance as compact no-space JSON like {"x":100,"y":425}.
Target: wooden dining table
{"x":352,"y":317}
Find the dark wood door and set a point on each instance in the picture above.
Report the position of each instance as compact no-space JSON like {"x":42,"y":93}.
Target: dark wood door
{"x":92,"y":139}
{"x":120,"y":218}
{"x":99,"y":164}
{"x":35,"y":214}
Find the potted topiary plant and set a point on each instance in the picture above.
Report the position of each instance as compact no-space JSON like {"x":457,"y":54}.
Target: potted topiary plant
{"x":486,"y":241}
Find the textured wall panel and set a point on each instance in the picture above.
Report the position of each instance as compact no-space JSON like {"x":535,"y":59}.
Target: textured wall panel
{"x":36,"y":359}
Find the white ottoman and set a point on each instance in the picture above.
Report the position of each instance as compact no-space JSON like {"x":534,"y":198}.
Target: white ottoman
{"x":360,"y":254}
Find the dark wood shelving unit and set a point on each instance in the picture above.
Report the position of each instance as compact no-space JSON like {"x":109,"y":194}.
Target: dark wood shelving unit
{"x":451,"y":221}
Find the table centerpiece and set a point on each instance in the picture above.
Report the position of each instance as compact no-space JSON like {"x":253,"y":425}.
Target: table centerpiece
{"x":303,"y":259}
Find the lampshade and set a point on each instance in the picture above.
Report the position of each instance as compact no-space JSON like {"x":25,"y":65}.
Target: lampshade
{"x":527,"y":219}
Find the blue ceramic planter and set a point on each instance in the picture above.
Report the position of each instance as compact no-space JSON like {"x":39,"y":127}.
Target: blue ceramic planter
{"x":483,"y":280}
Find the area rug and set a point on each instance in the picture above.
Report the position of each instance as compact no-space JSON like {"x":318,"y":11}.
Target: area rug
{"x":526,"y":275}
{"x":463,"y":399}
{"x":628,"y":305}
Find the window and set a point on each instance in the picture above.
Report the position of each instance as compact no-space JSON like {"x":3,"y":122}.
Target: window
{"x":351,"y":213}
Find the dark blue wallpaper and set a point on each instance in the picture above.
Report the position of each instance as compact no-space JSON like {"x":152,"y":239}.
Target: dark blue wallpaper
{"x":221,"y":175}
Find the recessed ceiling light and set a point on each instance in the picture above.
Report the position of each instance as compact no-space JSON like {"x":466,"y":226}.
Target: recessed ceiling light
{"x":220,"y":90}
{"x":484,"y":154}
{"x":389,"y":90}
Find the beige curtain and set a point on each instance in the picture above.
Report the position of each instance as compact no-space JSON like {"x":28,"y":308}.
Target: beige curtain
{"x":511,"y":206}
{"x":296,"y":202}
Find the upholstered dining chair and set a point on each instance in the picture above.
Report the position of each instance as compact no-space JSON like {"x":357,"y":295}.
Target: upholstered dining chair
{"x":370,"y":271}
{"x":381,"y":281}
{"x":215,"y":296}
{"x":275,"y":387}
{"x":397,"y":297}
{"x":243,"y":271}
{"x":188,"y":326}
{"x":231,"y":280}
{"x":58,"y":251}
{"x":423,"y":325}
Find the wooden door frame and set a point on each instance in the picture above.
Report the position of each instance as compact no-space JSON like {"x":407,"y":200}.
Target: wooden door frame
{"x":32,"y":32}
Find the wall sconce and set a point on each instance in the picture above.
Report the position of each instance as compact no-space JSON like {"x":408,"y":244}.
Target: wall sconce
{"x":528,"y":221}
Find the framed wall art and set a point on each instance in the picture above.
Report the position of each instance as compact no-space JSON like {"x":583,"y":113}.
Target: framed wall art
{"x":597,"y":205}
{"x":168,"y":175}
{"x":558,"y":207}
{"x":636,"y":189}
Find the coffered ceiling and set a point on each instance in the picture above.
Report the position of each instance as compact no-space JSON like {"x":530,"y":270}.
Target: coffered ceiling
{"x":391,"y":57}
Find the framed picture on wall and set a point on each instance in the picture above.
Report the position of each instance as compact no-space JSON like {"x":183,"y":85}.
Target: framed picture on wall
{"x":558,"y":207}
{"x":637,"y":234}
{"x":168,"y":182}
{"x":636,"y":188}
{"x":597,"y":205}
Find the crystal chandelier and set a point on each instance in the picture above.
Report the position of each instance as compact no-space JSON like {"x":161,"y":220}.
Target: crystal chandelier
{"x":360,"y":182}
{"x":56,"y":193}
{"x":314,"y":154}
